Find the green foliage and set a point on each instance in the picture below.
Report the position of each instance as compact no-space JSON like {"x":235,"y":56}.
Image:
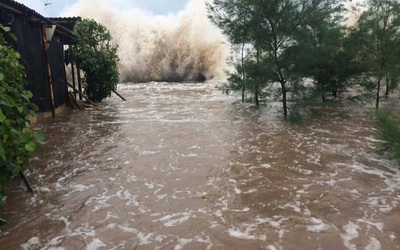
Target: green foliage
{"x":17,"y":141}
{"x":97,"y":57}
{"x":2,"y":222}
{"x":305,"y":47}
{"x":318,"y":52}
{"x":379,"y":43}
{"x":389,"y":133}
{"x":289,"y":40}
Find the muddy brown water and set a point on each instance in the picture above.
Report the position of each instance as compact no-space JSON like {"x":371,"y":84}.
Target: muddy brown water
{"x":179,"y":166}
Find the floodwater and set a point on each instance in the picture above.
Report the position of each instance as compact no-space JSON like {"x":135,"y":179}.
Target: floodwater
{"x":181,"y":166}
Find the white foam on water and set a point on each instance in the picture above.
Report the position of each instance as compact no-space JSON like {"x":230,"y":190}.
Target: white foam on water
{"x":372,"y":139}
{"x":172,"y":220}
{"x":237,"y":190}
{"x":350,"y":234}
{"x":374,"y":244}
{"x":265,"y":165}
{"x":31,"y":243}
{"x":144,"y":239}
{"x":109,"y":216}
{"x":182,"y":243}
{"x":305,"y":171}
{"x":95,"y":244}
{"x":56,"y":240}
{"x":251,"y":191}
{"x":246,"y":235}
{"x":148,"y":152}
{"x":377,"y":225}
{"x":149,"y":185}
{"x":318,"y":225}
{"x":276,"y":222}
{"x":129,"y":198}
{"x":65,"y":220}
{"x":245,"y":209}
{"x":297,"y":207}
{"x":78,"y":188}
{"x":272,"y":247}
{"x":44,"y":189}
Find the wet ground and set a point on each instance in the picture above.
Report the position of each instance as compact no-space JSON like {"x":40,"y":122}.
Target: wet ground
{"x":179,"y":166}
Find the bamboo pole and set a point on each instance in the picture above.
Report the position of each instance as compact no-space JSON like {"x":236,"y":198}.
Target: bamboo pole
{"x":28,"y":185}
{"x":79,"y":82}
{"x":81,"y":94}
{"x":119,"y":95}
{"x":73,"y":76}
{"x":73,"y":102}
{"x":48,"y":70}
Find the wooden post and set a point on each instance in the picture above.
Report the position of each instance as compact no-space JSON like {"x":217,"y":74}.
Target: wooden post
{"x":79,"y":82}
{"x":28,"y":185}
{"x":119,"y":95}
{"x":81,"y":94}
{"x":48,"y":70}
{"x":73,"y":78}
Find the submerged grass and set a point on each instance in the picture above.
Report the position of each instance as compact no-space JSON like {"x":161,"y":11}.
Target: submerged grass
{"x":388,"y":130}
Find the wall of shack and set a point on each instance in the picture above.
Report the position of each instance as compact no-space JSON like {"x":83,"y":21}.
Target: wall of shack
{"x":30,"y":46}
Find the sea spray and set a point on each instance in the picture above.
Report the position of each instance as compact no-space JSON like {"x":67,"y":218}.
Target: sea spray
{"x":184,"y":46}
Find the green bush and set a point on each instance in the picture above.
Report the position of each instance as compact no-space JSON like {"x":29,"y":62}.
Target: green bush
{"x":389,"y":133}
{"x":97,"y":57}
{"x":17,"y":141}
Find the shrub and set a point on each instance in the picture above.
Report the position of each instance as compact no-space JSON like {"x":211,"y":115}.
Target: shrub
{"x":97,"y":57}
{"x":17,"y":141}
{"x":389,"y":133}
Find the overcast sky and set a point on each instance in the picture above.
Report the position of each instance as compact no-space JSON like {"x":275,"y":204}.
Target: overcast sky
{"x":55,"y":8}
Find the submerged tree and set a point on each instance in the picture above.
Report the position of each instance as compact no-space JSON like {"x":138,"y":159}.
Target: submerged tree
{"x":95,"y":54}
{"x":295,"y":41}
{"x":379,"y":26}
{"x":233,"y":18}
{"x":284,"y":34}
{"x":318,"y":52}
{"x":388,"y":131}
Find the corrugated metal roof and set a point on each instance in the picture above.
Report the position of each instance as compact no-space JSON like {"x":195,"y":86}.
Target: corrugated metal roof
{"x":65,"y":24}
{"x":20,"y":8}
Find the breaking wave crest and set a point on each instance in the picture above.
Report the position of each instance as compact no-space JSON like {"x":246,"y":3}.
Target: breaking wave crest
{"x":177,"y":47}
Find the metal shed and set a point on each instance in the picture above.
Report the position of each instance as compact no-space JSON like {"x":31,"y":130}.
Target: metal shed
{"x":41,"y":42}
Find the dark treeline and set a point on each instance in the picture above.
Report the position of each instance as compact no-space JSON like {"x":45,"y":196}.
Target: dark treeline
{"x":303,"y":51}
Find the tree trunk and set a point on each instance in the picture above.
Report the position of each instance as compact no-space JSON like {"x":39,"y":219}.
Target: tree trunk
{"x":243,"y":90}
{"x":387,"y":88}
{"x":256,"y":95}
{"x":377,"y":92}
{"x":257,"y":79}
{"x":284,"y":102}
{"x":243,"y":75}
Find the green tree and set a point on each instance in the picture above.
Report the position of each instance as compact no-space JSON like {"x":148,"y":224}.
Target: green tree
{"x":17,"y":140}
{"x":318,"y":52}
{"x":273,"y":30}
{"x":379,"y":27}
{"x":233,"y":18}
{"x":95,"y":54}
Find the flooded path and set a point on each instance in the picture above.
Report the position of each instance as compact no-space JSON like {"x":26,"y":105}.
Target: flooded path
{"x":179,"y":166}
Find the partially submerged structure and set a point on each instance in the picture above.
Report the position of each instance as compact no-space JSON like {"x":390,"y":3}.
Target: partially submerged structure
{"x":41,"y":42}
